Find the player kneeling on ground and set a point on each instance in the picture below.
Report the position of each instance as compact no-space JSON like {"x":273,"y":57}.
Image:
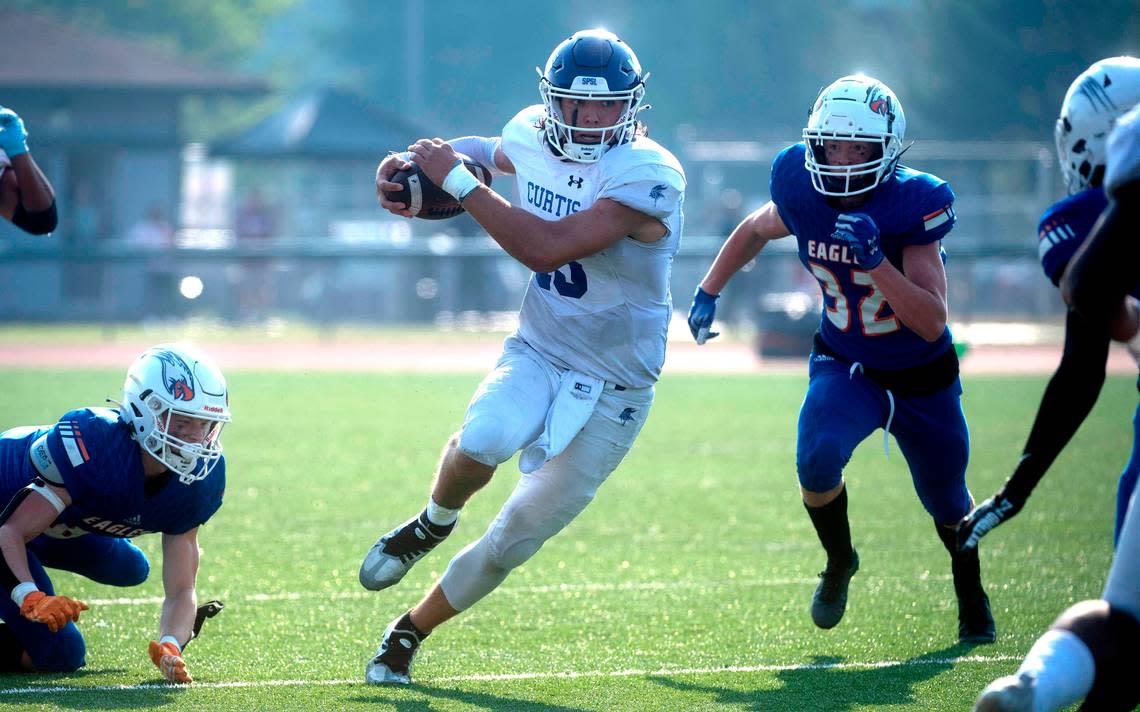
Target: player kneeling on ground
{"x":79,"y":490}
{"x":600,"y":223}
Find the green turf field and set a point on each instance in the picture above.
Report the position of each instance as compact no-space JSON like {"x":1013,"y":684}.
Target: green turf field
{"x":684,"y":586}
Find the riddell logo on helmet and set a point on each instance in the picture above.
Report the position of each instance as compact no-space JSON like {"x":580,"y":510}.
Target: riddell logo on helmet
{"x":212,"y":409}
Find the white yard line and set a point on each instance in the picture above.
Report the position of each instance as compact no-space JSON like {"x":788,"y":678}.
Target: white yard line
{"x":510,"y":677}
{"x":505,"y":590}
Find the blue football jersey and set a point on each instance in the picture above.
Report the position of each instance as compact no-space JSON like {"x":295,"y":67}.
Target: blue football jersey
{"x":91,"y":452}
{"x":911,"y":208}
{"x":1064,"y":226}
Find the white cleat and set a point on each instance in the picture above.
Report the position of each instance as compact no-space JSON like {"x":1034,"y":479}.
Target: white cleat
{"x":393,"y":555}
{"x":1012,"y":693}
{"x":392,"y":664}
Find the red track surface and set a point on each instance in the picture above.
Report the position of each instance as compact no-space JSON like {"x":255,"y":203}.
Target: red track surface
{"x":459,"y":357}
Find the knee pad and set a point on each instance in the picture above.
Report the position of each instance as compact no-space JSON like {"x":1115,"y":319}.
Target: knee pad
{"x":519,"y":535}
{"x":488,"y":439}
{"x":819,"y":464}
{"x":1113,"y":638}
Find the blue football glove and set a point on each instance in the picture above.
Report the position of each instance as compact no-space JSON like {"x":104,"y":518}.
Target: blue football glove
{"x":13,"y":135}
{"x":701,"y":315}
{"x":861,"y":234}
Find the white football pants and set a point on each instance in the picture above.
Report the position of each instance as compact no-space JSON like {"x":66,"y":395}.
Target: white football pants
{"x":506,"y":414}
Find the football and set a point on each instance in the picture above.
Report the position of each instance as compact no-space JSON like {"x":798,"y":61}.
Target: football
{"x":427,"y":200}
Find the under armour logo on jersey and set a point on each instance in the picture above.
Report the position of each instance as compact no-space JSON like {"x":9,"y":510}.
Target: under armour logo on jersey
{"x":626,"y":416}
{"x":575,"y":182}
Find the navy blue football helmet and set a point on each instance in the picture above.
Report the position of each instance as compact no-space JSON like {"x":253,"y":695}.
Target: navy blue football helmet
{"x":591,"y":65}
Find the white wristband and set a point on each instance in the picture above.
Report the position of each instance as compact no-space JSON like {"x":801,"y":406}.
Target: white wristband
{"x":170,"y":639}
{"x":21,"y":592}
{"x":459,"y":182}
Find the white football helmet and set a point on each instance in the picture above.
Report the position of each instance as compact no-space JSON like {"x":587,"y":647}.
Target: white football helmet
{"x":1096,"y":98}
{"x":592,"y":65}
{"x":854,"y":108}
{"x":173,"y":380}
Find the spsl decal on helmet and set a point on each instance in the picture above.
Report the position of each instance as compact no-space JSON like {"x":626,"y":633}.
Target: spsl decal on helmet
{"x":176,"y":376}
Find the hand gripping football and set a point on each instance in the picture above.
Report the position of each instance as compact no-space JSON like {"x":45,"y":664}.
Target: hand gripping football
{"x":427,"y":200}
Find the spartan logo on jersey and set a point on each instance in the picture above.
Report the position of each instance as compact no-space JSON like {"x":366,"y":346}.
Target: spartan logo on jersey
{"x":626,"y":416}
{"x":176,"y":376}
{"x":658,"y":192}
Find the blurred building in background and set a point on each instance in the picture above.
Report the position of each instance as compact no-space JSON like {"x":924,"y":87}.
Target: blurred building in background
{"x":256,"y":169}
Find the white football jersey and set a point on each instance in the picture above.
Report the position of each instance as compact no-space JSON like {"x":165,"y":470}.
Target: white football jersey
{"x":605,"y":315}
{"x":1122,"y":155}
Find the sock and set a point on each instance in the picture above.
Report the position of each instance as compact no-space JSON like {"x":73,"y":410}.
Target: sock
{"x":439,"y":515}
{"x":407,"y":624}
{"x":964,"y":565}
{"x":833,"y":529}
{"x":1064,"y":669}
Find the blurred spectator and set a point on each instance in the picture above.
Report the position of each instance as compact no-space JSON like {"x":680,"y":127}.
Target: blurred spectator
{"x":154,"y":234}
{"x":153,"y":230}
{"x":254,"y":219}
{"x":255,"y":224}
{"x":26,"y":196}
{"x":86,"y":221}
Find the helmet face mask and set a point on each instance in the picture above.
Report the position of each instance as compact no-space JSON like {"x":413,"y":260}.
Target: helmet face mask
{"x":856,"y":108}
{"x":592,"y":65}
{"x":1096,"y":98}
{"x":176,"y":401}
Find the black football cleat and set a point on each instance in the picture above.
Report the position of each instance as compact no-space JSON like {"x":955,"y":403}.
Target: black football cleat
{"x":392,"y":663}
{"x":975,"y":621}
{"x":393,"y":554}
{"x":829,"y":601}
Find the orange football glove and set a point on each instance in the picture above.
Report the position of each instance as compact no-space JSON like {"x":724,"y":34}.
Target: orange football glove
{"x":168,"y":658}
{"x":53,"y":611}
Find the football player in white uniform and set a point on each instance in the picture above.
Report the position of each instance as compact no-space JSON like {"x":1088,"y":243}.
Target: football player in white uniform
{"x":1087,"y":653}
{"x":599,"y":224}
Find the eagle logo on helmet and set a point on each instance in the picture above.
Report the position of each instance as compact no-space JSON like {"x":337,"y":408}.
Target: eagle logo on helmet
{"x":176,"y":376}
{"x":879,"y":102}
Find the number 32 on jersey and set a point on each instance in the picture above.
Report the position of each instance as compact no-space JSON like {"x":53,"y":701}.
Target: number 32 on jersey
{"x":869,"y":308}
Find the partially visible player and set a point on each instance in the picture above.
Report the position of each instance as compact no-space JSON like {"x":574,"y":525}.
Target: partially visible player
{"x":1089,"y":652}
{"x":599,"y":225}
{"x":870,"y":231}
{"x":1095,"y":100}
{"x":26,"y":196}
{"x":78,"y":491}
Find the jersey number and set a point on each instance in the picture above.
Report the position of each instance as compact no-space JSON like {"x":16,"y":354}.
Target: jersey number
{"x":574,"y":287}
{"x":869,"y":306}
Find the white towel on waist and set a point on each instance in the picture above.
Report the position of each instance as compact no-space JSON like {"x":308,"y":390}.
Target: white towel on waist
{"x":573,"y":404}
